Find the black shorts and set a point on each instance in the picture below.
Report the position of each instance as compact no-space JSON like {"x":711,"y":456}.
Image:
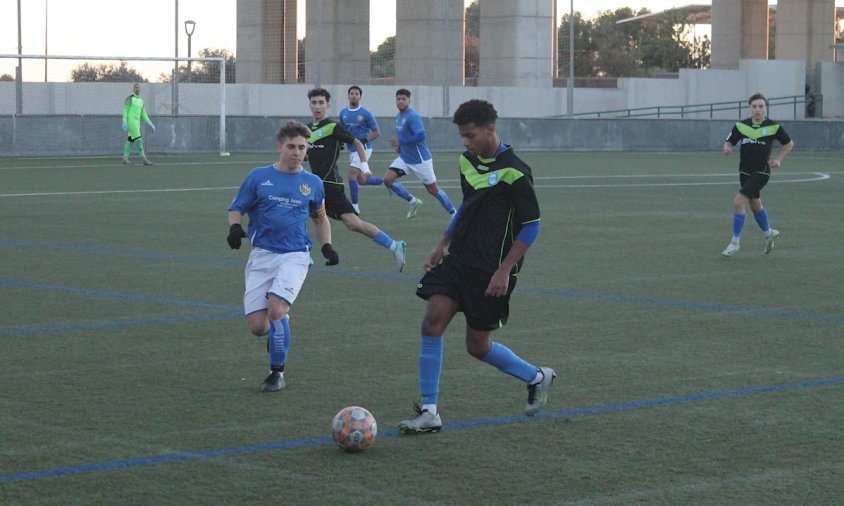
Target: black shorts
{"x":336,"y":202}
{"x":467,"y":286}
{"x":752,"y":184}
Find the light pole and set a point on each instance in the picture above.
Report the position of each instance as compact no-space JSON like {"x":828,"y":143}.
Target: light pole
{"x":190,"y":26}
{"x":570,"y":80}
{"x":46,"y":8}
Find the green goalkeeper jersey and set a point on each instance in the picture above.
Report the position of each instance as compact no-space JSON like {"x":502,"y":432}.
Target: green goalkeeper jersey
{"x":133,"y":112}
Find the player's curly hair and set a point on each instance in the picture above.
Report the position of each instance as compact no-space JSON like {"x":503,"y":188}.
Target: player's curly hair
{"x":479,"y":112}
{"x":293,"y":129}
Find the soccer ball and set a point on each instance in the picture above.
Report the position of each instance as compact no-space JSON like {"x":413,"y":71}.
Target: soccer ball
{"x":354,"y":429}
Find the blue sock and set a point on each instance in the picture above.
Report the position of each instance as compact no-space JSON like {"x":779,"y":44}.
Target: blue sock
{"x":353,"y":190}
{"x":505,"y":360}
{"x":444,"y":201}
{"x":430,"y":365}
{"x":383,"y":239}
{"x":738,"y":224}
{"x":762,"y":220}
{"x":399,"y":190}
{"x":279,"y":342}
{"x":374,"y":181}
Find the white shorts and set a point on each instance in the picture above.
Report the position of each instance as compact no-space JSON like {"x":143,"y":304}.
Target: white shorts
{"x":281,"y":274}
{"x":424,"y":171}
{"x":354,"y":160}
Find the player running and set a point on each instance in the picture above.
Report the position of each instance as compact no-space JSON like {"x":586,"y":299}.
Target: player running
{"x":414,"y":156}
{"x":327,"y":137}
{"x":360,"y":122}
{"x":279,"y":198}
{"x":756,"y":134}
{"x":486,"y":242}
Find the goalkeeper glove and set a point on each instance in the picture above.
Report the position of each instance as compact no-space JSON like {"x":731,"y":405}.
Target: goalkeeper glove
{"x":330,"y":255}
{"x":363,"y":140}
{"x":364,"y":167}
{"x":236,"y":233}
{"x":125,"y":127}
{"x":151,"y":125}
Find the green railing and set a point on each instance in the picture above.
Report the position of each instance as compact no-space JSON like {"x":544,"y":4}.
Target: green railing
{"x":775,"y":104}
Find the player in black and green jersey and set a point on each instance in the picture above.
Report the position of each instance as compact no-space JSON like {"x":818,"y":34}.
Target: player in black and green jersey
{"x":327,"y":138}
{"x":486,"y":240}
{"x":757,"y":135}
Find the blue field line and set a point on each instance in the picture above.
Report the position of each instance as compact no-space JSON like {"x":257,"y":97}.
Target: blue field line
{"x":318,"y":441}
{"x":118,"y":324}
{"x":94,"y":250}
{"x":114,"y":295}
{"x":718,"y":308}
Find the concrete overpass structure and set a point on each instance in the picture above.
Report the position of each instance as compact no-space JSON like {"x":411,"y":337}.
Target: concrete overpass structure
{"x":517,"y":39}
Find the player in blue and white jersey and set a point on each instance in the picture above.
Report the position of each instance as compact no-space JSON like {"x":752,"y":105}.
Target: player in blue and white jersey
{"x":360,"y":122}
{"x":414,"y":156}
{"x":278,"y":199}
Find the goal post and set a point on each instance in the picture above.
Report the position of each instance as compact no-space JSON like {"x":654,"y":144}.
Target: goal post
{"x":188,"y":95}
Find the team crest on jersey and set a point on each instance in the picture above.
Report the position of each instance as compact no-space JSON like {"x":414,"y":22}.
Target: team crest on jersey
{"x":304,"y":189}
{"x":764,"y":131}
{"x":360,"y":117}
{"x":318,"y":133}
{"x":492,"y":179}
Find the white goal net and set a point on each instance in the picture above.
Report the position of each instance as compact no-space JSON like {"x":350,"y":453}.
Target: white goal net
{"x":185,"y":98}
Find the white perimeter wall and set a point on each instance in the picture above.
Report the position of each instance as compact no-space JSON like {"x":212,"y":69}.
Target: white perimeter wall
{"x":774,"y":78}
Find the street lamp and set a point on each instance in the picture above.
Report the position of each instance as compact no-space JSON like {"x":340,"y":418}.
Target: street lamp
{"x":190,"y":26}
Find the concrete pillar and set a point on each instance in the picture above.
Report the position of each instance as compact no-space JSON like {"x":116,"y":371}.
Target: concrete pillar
{"x":739,"y":32}
{"x":517,"y":43}
{"x":266,"y":41}
{"x":429,"y":42}
{"x":337,"y":42}
{"x":805,"y":30}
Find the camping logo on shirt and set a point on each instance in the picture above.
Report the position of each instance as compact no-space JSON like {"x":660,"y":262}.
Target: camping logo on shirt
{"x":304,"y":189}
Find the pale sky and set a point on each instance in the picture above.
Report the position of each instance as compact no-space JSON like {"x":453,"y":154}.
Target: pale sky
{"x":147,"y":27}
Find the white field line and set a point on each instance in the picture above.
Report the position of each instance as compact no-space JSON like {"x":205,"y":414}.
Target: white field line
{"x":540,"y":182}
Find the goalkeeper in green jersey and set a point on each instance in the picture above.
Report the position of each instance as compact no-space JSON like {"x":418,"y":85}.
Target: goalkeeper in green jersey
{"x":133,"y":111}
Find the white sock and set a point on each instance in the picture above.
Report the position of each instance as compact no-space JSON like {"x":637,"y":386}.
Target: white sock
{"x":735,"y":240}
{"x":394,"y":246}
{"x":430,"y":408}
{"x":538,"y":378}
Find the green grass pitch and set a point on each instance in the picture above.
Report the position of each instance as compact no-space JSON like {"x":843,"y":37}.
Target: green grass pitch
{"x":128,"y":375}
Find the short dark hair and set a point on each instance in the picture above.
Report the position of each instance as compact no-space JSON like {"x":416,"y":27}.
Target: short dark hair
{"x":403,"y":91}
{"x":320,"y":92}
{"x":479,"y":112}
{"x":354,"y":87}
{"x":293,"y":129}
{"x":757,"y":96}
